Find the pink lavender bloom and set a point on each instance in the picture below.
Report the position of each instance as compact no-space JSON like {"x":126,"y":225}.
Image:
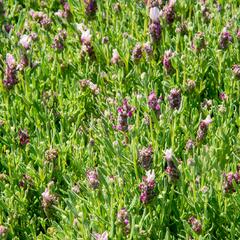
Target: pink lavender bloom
{"x":174,"y":98}
{"x":86,"y":42}
{"x":198,"y":42}
{"x":155,"y":31}
{"x":59,"y":40}
{"x":25,"y":41}
{"x":103,"y":236}
{"x":92,"y":177}
{"x":137,"y":52}
{"x":88,"y":83}
{"x":236,"y":70}
{"x":10,"y":76}
{"x":195,"y":224}
{"x":145,"y":157}
{"x":23,"y":137}
{"x":238,"y":34}
{"x":223,"y":96}
{"x":65,"y":13}
{"x":90,"y":7}
{"x":225,"y":39}
{"x":203,"y":128}
{"x":86,"y":37}
{"x":115,"y":57}
{"x":154,"y":14}
{"x":147,"y":187}
{"x":124,"y":112}
{"x":23,"y":62}
{"x":168,"y":55}
{"x":48,"y":199}
{"x":3,"y":231}
{"x":154,"y":102}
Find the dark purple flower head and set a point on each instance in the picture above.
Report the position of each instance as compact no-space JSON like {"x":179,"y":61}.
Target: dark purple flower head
{"x":90,"y":7}
{"x":171,"y":168}
{"x":155,"y":31}
{"x":145,"y":157}
{"x":195,"y":224}
{"x":236,"y":70}
{"x":225,"y":39}
{"x":8,"y":27}
{"x":198,"y":42}
{"x":23,"y":62}
{"x":137,"y":52}
{"x":92,"y":177}
{"x":154,"y":102}
{"x":223,"y":96}
{"x":23,"y":137}
{"x":229,"y":180}
{"x":174,"y":98}
{"x":203,"y":128}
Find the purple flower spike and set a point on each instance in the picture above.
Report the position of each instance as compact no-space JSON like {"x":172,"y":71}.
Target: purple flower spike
{"x":90,"y":7}
{"x":195,"y":224}
{"x":145,"y":157}
{"x":23,"y":137}
{"x":168,"y":55}
{"x":225,"y":39}
{"x":174,"y":98}
{"x":92,"y":177}
{"x":236,"y":70}
{"x":10,"y":76}
{"x":154,"y":102}
{"x":137,"y":52}
{"x":203,"y":128}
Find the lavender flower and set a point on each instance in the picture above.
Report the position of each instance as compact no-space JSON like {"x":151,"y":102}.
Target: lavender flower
{"x":92,"y":177}
{"x":168,"y":55}
{"x":238,"y":34}
{"x":65,"y":13}
{"x":124,"y":112}
{"x":59,"y":40}
{"x":137,"y":52}
{"x":25,"y":41}
{"x":41,"y":18}
{"x":145,"y":157}
{"x":198,"y":42}
{"x":223,"y":96}
{"x":90,"y":7}
{"x":23,"y":137}
{"x":182,"y":28}
{"x":154,"y":102}
{"x":123,"y":218}
{"x":169,"y":12}
{"x":86,"y":43}
{"x":51,"y":154}
{"x":10,"y":76}
{"x":174,"y":98}
{"x":48,"y":199}
{"x":115,"y":57}
{"x":148,"y":50}
{"x":206,"y":13}
{"x":88,"y":83}
{"x":171,"y":168}
{"x":147,"y":187}
{"x":236,"y":70}
{"x":155,"y":27}
{"x":25,"y":181}
{"x":23,"y":62}
{"x":189,"y":145}
{"x":225,"y":39}
{"x":203,"y":128}
{"x":3,"y":231}
{"x":195,"y":224}
{"x":103,"y":236}
{"x":229,"y":178}
{"x":191,"y":85}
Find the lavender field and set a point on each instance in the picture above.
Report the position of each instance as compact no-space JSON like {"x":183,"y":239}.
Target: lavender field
{"x":119,"y":119}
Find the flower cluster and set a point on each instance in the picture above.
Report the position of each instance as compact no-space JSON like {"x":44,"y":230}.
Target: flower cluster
{"x":123,"y":218}
{"x":155,"y":28}
{"x":41,"y":18}
{"x":171,"y":168}
{"x":92,"y":177}
{"x":203,"y":128}
{"x":59,"y":40}
{"x":174,"y":98}
{"x":48,"y":199}
{"x":145,"y":156}
{"x":236,"y":70}
{"x":225,"y":39}
{"x":195,"y":224}
{"x":229,"y":180}
{"x":90,"y":7}
{"x":147,"y":187}
{"x":87,"y":47}
{"x":23,"y":137}
{"x":10,"y":76}
{"x":169,"y":12}
{"x":124,"y":112}
{"x":199,"y":42}
{"x":65,"y":13}
{"x":51,"y":154}
{"x":168,"y":55}
{"x":88,"y":83}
